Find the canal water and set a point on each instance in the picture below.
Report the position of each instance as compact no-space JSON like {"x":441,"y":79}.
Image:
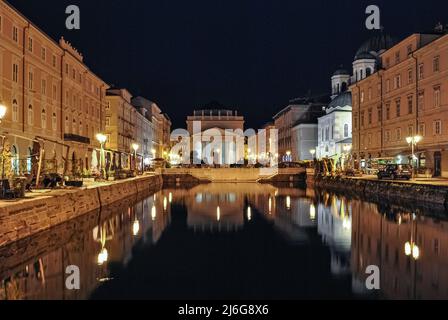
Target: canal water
{"x":234,"y":241}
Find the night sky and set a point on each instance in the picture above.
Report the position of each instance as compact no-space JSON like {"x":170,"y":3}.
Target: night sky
{"x":253,"y":56}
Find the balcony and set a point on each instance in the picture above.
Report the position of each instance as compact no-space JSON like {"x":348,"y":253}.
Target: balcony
{"x":76,"y":138}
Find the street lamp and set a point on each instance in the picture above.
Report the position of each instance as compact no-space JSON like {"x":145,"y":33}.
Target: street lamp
{"x":102,"y":138}
{"x":313,"y":152}
{"x":413,"y":141}
{"x":135,"y":147}
{"x":288,"y":154}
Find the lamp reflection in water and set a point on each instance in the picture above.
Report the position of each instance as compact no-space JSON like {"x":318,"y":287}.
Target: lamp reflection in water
{"x":288,"y":202}
{"x":136,"y":228}
{"x":270,"y":205}
{"x":218,"y":214}
{"x":170,"y":197}
{"x":165,"y":203}
{"x":153,"y":212}
{"x":411,"y":248}
{"x":249,"y":213}
{"x":312,"y":212}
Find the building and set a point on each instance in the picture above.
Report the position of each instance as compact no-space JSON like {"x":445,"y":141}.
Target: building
{"x":120,"y":118}
{"x":166,"y":134}
{"x":301,"y":115}
{"x":405,"y":98}
{"x":216,"y":122}
{"x":335,"y":128}
{"x":53,"y":100}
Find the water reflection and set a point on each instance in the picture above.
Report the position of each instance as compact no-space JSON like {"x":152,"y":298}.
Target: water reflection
{"x":237,"y":241}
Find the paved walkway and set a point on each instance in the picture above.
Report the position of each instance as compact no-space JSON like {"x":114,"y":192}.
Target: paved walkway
{"x":47,"y":193}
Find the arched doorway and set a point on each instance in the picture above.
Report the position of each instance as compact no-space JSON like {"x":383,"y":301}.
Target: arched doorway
{"x":437,"y":164}
{"x":15,"y":161}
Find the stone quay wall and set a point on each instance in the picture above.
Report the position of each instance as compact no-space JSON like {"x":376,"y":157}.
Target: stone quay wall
{"x":26,"y":217}
{"x":425,"y":194}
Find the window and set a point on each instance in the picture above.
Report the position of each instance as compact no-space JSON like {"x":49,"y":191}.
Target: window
{"x":397,"y":82}
{"x":355,"y":118}
{"x":369,"y":94}
{"x":31,"y":80}
{"x":409,"y":50}
{"x":107,"y":121}
{"x":15,"y":73}
{"x":44,"y":54}
{"x":108,"y":105}
{"x":369,"y":116}
{"x":66,"y":126}
{"x":410,"y":104}
{"x":30,"y":115}
{"x":388,"y":111}
{"x":30,"y":44}
{"x":421,"y":100}
{"x":387,"y":62}
{"x":362,"y":96}
{"x":421,"y":71}
{"x":74,"y":126}
{"x":44,"y":87}
{"x":345,"y":130}
{"x":410,"y":76}
{"x":80,"y":128}
{"x":387,"y":85}
{"x":54,"y":61}
{"x":66,"y":68}
{"x":55,"y":92}
{"x":15,"y":111}
{"x":380,"y":114}
{"x":43,"y":119}
{"x":438,"y":127}
{"x":410,"y":131}
{"x":15,"y":34}
{"x":362,"y":118}
{"x":422,"y":129}
{"x":437,"y":96}
{"x":397,"y":57}
{"x":398,"y":107}
{"x":54,"y":122}
{"x":387,"y":138}
{"x":398,"y":133}
{"x":436,"y":64}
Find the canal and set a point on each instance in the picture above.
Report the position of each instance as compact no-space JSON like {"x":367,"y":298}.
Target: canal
{"x":234,"y":241}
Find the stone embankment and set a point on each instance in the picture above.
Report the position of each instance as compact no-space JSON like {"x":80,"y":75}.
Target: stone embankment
{"x":386,"y":190}
{"x":25,"y":217}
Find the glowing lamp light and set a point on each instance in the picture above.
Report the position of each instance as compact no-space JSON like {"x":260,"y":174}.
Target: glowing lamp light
{"x":409,"y":140}
{"x":3,"y":110}
{"x":135,"y":147}
{"x":102,"y":138}
{"x":407,"y":249}
{"x":103,"y":256}
{"x":416,"y":252}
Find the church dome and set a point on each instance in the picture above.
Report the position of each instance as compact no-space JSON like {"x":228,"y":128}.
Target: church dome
{"x":341,"y":72}
{"x":342,"y":100}
{"x":374,"y":46}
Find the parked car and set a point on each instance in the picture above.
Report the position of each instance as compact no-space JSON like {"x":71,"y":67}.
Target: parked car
{"x":395,"y":171}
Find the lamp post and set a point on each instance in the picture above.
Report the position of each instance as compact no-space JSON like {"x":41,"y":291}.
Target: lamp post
{"x":413,"y":141}
{"x":135,"y":147}
{"x":3,"y":110}
{"x":288,"y":155}
{"x":102,"y":138}
{"x":346,"y":149}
